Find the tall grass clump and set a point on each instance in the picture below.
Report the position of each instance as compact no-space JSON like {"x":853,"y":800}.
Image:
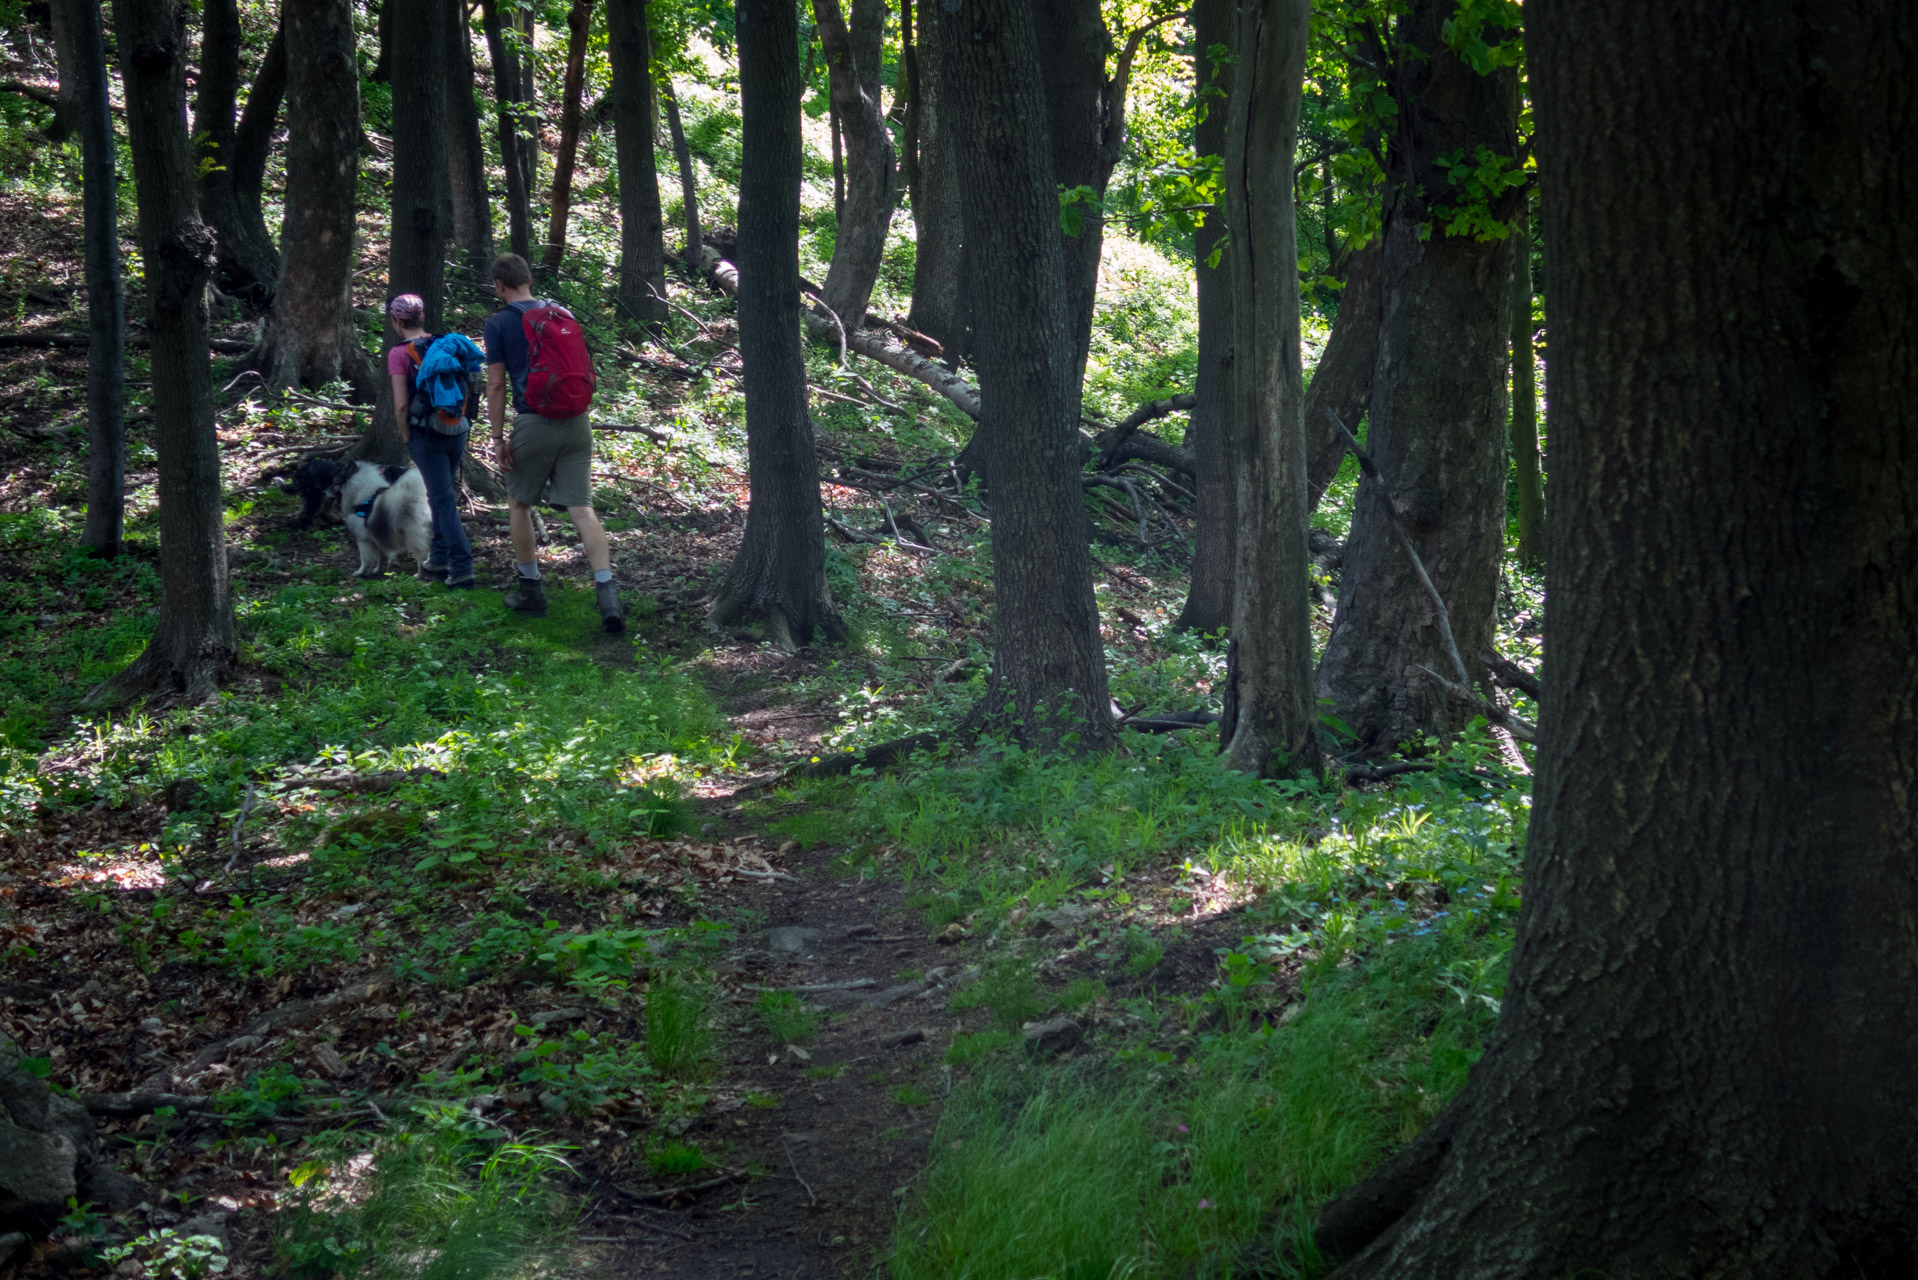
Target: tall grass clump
{"x":679,"y":1034}
{"x":1143,"y":1166}
{"x":435,"y":1201}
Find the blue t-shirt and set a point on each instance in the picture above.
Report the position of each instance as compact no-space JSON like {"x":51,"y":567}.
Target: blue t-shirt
{"x":506,"y":344}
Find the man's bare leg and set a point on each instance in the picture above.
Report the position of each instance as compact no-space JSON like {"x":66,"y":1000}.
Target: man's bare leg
{"x":592,"y":537}
{"x":519,"y":519}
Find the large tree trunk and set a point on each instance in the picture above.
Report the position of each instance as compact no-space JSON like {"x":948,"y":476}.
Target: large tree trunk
{"x":1342,"y":382}
{"x":853,"y":67}
{"x":941,"y":282}
{"x":1703,"y":1061}
{"x":193,"y":640}
{"x":1072,"y":58}
{"x":579,"y":21}
{"x":1214,"y":431}
{"x":310,"y":336}
{"x":512,"y":136}
{"x":253,"y":136}
{"x":642,"y":234}
{"x":1048,"y":657}
{"x":1530,"y":484}
{"x":779,"y":576}
{"x":465,"y":154}
{"x":416,"y":261}
{"x":79,"y":23}
{"x":688,"y":184}
{"x":1437,"y":427}
{"x":247,"y":264}
{"x":1270,"y":726}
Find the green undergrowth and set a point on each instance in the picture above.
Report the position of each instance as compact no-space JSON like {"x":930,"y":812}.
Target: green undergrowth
{"x":1196,"y":1158}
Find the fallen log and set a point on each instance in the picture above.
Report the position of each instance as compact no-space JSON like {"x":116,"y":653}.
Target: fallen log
{"x":361,"y":783}
{"x":225,"y":346}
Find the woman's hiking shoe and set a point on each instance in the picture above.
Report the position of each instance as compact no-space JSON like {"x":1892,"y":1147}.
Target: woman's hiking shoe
{"x":466,"y":583}
{"x":611,"y":615}
{"x":438,"y":571}
{"x":529,"y":596}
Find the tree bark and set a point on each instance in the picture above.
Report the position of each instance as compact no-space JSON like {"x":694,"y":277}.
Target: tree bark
{"x":246,"y":263}
{"x":1702,"y":1061}
{"x":1214,"y":431}
{"x":465,"y":154}
{"x":1270,"y":724}
{"x":579,"y":21}
{"x":193,"y":641}
{"x":1342,"y":382}
{"x":78,"y":21}
{"x":1531,"y":487}
{"x":1438,"y":413}
{"x":253,"y":136}
{"x":512,"y":138}
{"x":941,"y":279}
{"x":69,"y":103}
{"x":310,"y":337}
{"x":853,"y":69}
{"x":1078,"y":106}
{"x":1048,"y":681}
{"x":642,"y":234}
{"x":688,"y":184}
{"x":779,"y":576}
{"x":383,"y":38}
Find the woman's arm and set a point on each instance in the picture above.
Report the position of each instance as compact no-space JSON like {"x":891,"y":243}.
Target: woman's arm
{"x":400,"y":398}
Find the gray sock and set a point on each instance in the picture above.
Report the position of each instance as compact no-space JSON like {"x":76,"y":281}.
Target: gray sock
{"x":602,"y":575}
{"x":530,"y":570}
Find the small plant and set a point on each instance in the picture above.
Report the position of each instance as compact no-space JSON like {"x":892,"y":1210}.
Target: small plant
{"x":1081,"y":992}
{"x":762,"y":1101}
{"x":272,"y":1092}
{"x":826,"y":1071}
{"x":166,"y":1255}
{"x":911,"y":1095}
{"x":970,"y":1046}
{"x":671,"y":1159}
{"x":678,"y":1034}
{"x":1140,"y":951}
{"x":1008,"y":990}
{"x":786,"y":1018}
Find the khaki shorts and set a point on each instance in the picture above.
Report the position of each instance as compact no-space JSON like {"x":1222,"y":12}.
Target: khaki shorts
{"x":552,"y":460}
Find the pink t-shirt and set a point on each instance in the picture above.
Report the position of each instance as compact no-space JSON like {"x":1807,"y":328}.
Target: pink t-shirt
{"x":398,"y":362}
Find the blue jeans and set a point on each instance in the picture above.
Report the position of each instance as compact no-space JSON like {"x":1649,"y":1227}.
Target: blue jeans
{"x":438,"y":458}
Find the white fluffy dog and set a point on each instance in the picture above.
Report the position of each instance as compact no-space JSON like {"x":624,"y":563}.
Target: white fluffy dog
{"x":385,"y":509}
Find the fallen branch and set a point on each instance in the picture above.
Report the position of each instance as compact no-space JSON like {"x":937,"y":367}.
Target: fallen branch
{"x":1147,"y":412}
{"x":225,"y":346}
{"x":884,"y":755}
{"x":1512,"y":676}
{"x":667,"y":1196}
{"x":1169,"y":722}
{"x":659,"y":437}
{"x":360,"y":783}
{"x":285,"y":1017}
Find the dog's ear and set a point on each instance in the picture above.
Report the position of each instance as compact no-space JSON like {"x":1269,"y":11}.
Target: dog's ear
{"x":393,"y":474}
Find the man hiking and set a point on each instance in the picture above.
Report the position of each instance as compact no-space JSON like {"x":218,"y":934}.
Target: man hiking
{"x":537,"y":346}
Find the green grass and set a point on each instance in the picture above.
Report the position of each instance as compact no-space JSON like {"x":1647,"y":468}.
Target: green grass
{"x":437,"y":1200}
{"x":679,"y":1033}
{"x":1158,"y":1162}
{"x":786,"y":1018}
{"x":671,"y":1159}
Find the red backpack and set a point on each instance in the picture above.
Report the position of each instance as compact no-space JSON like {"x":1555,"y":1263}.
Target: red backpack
{"x":559,"y":372}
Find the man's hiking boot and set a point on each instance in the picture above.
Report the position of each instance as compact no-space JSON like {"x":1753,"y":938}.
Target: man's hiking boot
{"x":528,"y":597}
{"x":611,"y":615}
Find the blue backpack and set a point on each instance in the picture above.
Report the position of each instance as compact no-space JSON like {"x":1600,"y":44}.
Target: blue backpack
{"x":443,"y":396}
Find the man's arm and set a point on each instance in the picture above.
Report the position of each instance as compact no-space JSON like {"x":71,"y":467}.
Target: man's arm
{"x":496,"y":413}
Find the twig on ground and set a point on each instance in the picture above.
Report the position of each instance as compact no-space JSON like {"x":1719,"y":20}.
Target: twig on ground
{"x":246,"y":808}
{"x":663,"y":1197}
{"x":798,"y":1176}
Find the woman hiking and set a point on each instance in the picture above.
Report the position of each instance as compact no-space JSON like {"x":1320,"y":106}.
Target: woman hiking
{"x":435,"y":435}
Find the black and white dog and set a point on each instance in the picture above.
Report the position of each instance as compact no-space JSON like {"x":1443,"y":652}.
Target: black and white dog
{"x":385,"y":510}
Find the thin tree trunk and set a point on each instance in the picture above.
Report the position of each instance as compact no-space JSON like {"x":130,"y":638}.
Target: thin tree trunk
{"x":1342,"y":382}
{"x":1270,"y":725}
{"x":1214,"y":431}
{"x":1531,"y":490}
{"x":906,"y":107}
{"x":416,"y":261}
{"x":310,"y":336}
{"x":512,"y":138}
{"x":247,"y":263}
{"x":853,"y":67}
{"x":194,"y":640}
{"x":531,"y":142}
{"x":1438,"y":414}
{"x":579,"y":20}
{"x":253,"y":136}
{"x":779,"y":576}
{"x":941,"y":279}
{"x":1048,"y":683}
{"x":838,"y":160}
{"x":688,"y":185}
{"x":79,"y":23}
{"x":383,"y":37}
{"x":1702,"y":1065}
{"x":465,"y":154}
{"x":642,"y":235}
{"x":1072,"y":57}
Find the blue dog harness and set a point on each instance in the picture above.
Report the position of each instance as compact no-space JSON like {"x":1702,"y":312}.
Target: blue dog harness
{"x":365,"y":510}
